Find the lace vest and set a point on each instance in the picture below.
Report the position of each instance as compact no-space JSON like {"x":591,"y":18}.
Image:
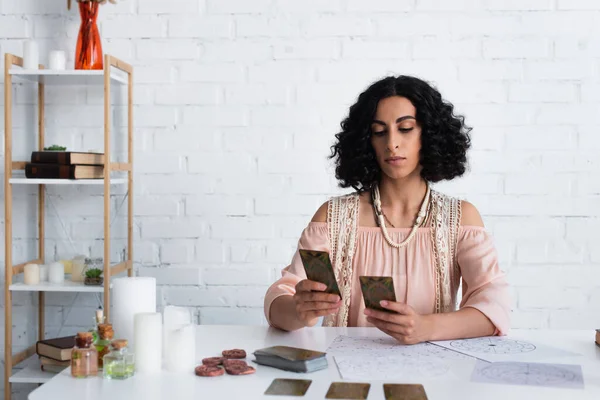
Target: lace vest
{"x":342,"y":225}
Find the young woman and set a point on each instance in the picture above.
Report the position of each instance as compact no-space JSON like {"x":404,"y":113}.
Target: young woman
{"x":399,"y":137}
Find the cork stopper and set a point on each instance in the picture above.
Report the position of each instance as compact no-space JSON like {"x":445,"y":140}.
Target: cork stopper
{"x":118,"y":344}
{"x":106,"y":331}
{"x":84,"y":339}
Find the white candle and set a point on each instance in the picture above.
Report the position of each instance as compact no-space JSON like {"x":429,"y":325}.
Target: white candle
{"x":180,"y":350}
{"x":131,"y":296}
{"x":32,"y":274}
{"x":30,"y":55}
{"x":148,"y":342}
{"x":174,"y":318}
{"x":43,"y":273}
{"x":56,"y":272}
{"x":57,"y":60}
{"x":77,"y":268}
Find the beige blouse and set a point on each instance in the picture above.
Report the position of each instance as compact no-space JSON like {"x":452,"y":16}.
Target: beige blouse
{"x":484,"y":285}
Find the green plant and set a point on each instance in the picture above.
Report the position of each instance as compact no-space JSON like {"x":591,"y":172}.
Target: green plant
{"x":93,"y":273}
{"x":55,"y":147}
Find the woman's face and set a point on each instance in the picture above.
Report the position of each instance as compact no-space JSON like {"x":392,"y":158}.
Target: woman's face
{"x":396,"y":137}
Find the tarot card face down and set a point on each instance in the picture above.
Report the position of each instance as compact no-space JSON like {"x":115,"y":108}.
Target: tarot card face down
{"x":288,"y":387}
{"x":375,"y":289}
{"x":404,"y":392}
{"x":318,"y":268}
{"x":347,"y":390}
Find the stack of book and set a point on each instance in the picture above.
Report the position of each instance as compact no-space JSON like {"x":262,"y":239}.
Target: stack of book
{"x":65,"y":165}
{"x":55,"y":354}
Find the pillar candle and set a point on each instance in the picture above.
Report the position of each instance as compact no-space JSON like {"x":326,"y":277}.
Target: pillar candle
{"x":77,"y":268}
{"x":43,"y":273}
{"x":174,"y":318}
{"x":180,"y":350}
{"x":56,"y":272}
{"x":147,"y":332}
{"x":131,"y":296}
{"x":30,"y":55}
{"x":32,"y":274}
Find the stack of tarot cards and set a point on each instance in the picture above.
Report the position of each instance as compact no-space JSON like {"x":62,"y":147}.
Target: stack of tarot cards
{"x":291,"y":358}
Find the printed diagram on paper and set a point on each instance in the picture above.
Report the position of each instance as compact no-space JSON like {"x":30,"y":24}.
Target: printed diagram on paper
{"x":376,"y":358}
{"x":388,"y":347}
{"x":495,"y":348}
{"x":392,"y":368}
{"x":530,"y":374}
{"x":492,"y":345}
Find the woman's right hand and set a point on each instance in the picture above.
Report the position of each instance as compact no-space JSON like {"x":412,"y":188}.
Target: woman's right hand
{"x":312,"y":302}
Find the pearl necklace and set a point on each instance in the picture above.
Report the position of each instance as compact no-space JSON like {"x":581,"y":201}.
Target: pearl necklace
{"x":380,"y":217}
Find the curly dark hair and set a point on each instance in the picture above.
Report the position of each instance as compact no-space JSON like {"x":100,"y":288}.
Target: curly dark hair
{"x":445,"y":138}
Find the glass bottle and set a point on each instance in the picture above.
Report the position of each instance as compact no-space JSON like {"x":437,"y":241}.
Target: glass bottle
{"x":98,"y":319}
{"x":84,"y":358}
{"x":119,"y":363}
{"x":105,"y":336}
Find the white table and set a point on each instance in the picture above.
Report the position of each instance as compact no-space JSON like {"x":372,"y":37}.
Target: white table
{"x":212,"y":339}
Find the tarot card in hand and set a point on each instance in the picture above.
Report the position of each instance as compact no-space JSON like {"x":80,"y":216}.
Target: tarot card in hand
{"x":375,"y":289}
{"x":288,"y":387}
{"x":404,"y":392}
{"x":318,"y":268}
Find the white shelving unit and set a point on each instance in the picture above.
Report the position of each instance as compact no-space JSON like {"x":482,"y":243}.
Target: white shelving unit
{"x":26,"y":363}
{"x":26,"y":181}
{"x":66,"y":286}
{"x":68,"y":77}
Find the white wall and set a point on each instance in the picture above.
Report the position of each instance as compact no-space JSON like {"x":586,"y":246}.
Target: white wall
{"x":236,"y":106}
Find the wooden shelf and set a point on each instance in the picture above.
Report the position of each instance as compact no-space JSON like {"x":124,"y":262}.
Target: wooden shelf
{"x":66,"y":286}
{"x":115,"y":73}
{"x":28,"y":181}
{"x":67,"y":77}
{"x":31,"y":373}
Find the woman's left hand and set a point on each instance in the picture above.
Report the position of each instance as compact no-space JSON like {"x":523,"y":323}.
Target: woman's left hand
{"x":402,"y":322}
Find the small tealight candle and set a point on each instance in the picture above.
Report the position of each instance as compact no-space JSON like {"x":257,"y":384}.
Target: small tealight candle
{"x":56,"y":272}
{"x":32,"y":274}
{"x":43,"y":273}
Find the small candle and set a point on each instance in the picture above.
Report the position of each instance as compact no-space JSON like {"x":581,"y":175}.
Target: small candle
{"x":147,"y":331}
{"x":56,"y":272}
{"x":32,"y":274}
{"x":57,"y":60}
{"x":43,"y":273}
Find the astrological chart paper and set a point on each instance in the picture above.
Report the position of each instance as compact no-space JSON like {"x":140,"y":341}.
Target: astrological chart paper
{"x":529,"y":374}
{"x":498,"y":348}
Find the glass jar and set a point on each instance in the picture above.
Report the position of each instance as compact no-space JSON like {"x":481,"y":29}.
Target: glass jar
{"x":84,"y":358}
{"x":119,"y":363}
{"x":105,"y":336}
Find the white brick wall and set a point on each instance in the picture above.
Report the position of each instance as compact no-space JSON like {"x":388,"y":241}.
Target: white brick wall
{"x":236,"y":104}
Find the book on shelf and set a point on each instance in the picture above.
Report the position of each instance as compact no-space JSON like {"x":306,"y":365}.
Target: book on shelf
{"x":50,"y":365}
{"x":67,"y":158}
{"x":57,"y":349}
{"x":58,"y":171}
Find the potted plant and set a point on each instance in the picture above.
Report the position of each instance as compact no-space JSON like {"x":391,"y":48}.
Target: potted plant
{"x":93,"y":277}
{"x":55,"y":147}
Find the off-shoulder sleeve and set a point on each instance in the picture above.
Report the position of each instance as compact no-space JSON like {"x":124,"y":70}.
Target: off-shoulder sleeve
{"x":314,"y":237}
{"x":484,"y":284}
